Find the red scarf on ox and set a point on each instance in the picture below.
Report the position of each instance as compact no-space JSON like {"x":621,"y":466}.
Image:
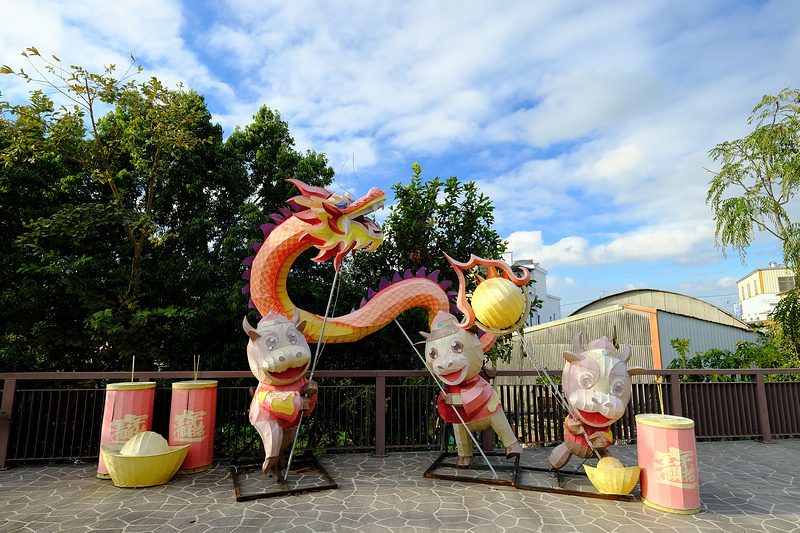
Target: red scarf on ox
{"x":476,"y":393}
{"x":280,"y":402}
{"x":590,"y":430}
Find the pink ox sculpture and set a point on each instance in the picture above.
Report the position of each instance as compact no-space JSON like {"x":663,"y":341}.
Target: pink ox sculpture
{"x":455,"y":357}
{"x":279,"y":357}
{"x":597,"y":386}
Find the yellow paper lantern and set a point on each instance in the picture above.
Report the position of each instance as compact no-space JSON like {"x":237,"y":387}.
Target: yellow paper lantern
{"x":498,"y":303}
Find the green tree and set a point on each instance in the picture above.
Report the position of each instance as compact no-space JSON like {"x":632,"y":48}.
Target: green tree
{"x":29,"y":190}
{"x":767,"y":353}
{"x":759,"y":176}
{"x":434,"y":217}
{"x":136,"y":222}
{"x":785,"y":334}
{"x":96,"y":243}
{"x":682,"y":347}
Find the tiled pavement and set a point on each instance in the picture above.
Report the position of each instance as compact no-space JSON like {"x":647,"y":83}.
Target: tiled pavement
{"x":745,"y":486}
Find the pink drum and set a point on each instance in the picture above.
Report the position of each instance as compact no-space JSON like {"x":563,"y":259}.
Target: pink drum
{"x":192,"y":418}
{"x":128,"y":411}
{"x":668,"y":457}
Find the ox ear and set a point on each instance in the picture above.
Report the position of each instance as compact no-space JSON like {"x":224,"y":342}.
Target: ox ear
{"x":252,"y":333}
{"x":301,"y":325}
{"x":636,"y":370}
{"x":572,"y":358}
{"x":421,"y":344}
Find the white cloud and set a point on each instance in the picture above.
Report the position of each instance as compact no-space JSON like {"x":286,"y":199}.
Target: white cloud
{"x":587,"y":123}
{"x":580,"y":103}
{"x":645,"y":244}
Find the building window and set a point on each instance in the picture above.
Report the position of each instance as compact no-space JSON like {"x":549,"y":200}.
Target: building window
{"x":785,"y":283}
{"x":755,"y":288}
{"x":748,"y":291}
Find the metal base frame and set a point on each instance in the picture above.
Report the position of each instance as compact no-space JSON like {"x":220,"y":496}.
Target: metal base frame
{"x":303,"y":464}
{"x":440,"y":462}
{"x":560,"y":477}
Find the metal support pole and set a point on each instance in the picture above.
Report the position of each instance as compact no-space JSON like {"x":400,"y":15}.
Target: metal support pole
{"x":320,"y":344}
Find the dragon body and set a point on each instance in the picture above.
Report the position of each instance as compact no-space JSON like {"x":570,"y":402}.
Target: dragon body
{"x":336,"y":225}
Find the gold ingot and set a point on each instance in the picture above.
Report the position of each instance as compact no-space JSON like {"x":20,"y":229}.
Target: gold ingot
{"x":144,"y":461}
{"x":611,"y":477}
{"x":498,"y":303}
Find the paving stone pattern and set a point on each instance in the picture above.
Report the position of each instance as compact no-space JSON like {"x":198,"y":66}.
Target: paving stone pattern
{"x":745,"y":486}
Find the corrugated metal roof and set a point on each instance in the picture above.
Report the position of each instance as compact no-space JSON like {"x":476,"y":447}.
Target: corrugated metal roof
{"x":666,"y":301}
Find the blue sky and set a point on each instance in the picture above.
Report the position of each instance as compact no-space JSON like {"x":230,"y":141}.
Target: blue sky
{"x":588,"y":123}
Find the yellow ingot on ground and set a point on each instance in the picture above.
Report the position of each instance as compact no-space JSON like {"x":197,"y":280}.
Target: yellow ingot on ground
{"x":610,"y":477}
{"x":144,"y":461}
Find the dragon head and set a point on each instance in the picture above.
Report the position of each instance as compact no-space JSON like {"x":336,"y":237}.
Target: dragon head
{"x":337,"y":224}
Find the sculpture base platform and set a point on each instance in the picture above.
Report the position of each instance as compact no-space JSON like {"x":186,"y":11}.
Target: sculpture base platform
{"x":556,"y":482}
{"x":308,"y":474}
{"x":444,"y":467}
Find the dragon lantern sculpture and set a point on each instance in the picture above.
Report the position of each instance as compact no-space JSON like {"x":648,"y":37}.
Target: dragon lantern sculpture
{"x":337,"y":225}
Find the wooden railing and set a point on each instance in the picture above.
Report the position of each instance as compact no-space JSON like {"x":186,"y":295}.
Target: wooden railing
{"x":57,"y":416}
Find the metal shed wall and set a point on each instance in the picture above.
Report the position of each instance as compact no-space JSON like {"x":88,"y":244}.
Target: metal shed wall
{"x":549,"y":341}
{"x":703,"y":335}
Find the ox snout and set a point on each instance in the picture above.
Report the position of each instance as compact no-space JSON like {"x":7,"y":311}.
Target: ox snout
{"x":596,"y":402}
{"x":284,"y":360}
{"x":608,"y":406}
{"x":448,"y":363}
{"x":451,"y":368}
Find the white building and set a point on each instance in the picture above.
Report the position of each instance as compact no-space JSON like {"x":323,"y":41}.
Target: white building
{"x":551,"y":305}
{"x":761,"y":290}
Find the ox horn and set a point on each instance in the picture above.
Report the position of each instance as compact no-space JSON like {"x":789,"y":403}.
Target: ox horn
{"x":626,"y":353}
{"x":252,"y":333}
{"x":296,"y":321}
{"x":577,"y":343}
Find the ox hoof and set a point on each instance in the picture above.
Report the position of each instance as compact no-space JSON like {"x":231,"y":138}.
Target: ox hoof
{"x":270,"y":463}
{"x":465,"y":461}
{"x":515,"y":450}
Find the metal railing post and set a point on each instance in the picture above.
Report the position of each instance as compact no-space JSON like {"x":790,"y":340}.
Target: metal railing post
{"x":6,"y":414}
{"x":487,"y":440}
{"x":380,"y":416}
{"x":762,"y":409}
{"x":675,"y":406}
